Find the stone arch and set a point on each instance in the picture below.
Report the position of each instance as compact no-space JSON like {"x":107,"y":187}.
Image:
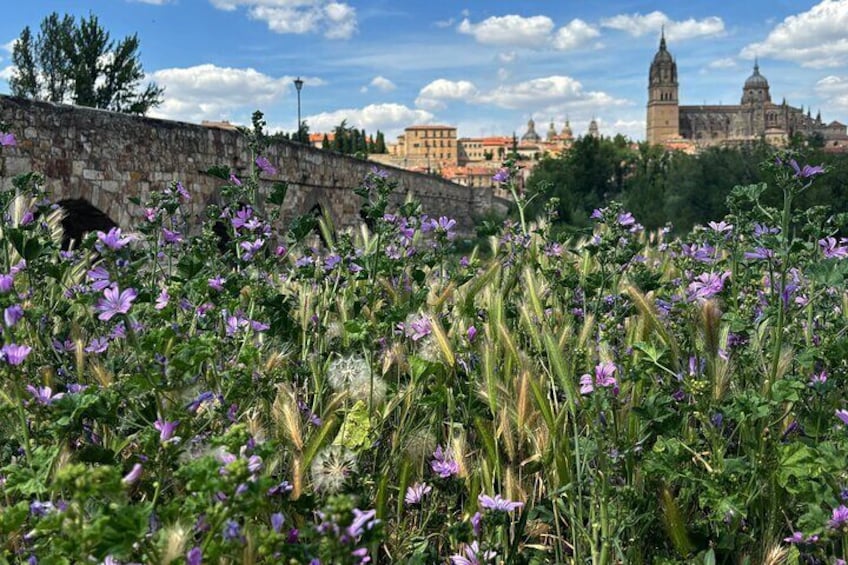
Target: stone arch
{"x":81,"y":217}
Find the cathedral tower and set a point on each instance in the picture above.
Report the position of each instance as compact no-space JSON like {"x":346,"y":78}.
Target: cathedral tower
{"x":663,"y":107}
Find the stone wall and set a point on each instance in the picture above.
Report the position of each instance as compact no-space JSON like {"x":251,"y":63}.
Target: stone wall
{"x":107,"y":158}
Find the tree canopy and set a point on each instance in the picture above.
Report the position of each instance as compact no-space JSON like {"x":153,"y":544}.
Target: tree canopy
{"x":670,"y":187}
{"x":77,"y":61}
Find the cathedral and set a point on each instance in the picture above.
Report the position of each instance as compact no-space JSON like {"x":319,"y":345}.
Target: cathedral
{"x":756,"y":117}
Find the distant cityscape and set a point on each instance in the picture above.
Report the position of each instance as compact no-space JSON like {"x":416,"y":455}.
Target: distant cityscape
{"x":472,"y":161}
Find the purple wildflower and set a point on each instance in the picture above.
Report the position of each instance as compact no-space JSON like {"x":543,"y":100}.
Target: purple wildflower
{"x":99,"y":278}
{"x":833,"y":249}
{"x":498,"y":503}
{"x":472,"y":555}
{"x":44,"y":394}
{"x":242,"y":217}
{"x":113,"y":239}
{"x":362,"y":521}
{"x":603,"y":378}
{"x":12,"y":315}
{"x":277,"y":520}
{"x":115,"y":302}
{"x":477,"y":524}
{"x":443,"y":463}
{"x":761,"y":230}
{"x":7,"y":282}
{"x":842,"y":415}
{"x":7,"y":139}
{"x":234,"y":180}
{"x":38,"y":508}
{"x":501,"y":176}
{"x":265,"y":165}
{"x":217,"y":283}
{"x":798,"y":537}
{"x":417,"y":329}
{"x":807,"y":171}
{"x":707,"y":285}
{"x":626,"y":219}
{"x":818,"y":378}
{"x":839,"y":517}
{"x":759,"y":253}
{"x":416,"y":492}
{"x":14,"y":354}
{"x":97,"y":345}
{"x":133,"y":476}
{"x":445,"y":225}
{"x":194,"y":556}
{"x":232,"y":531}
{"x":162,"y":299}
{"x":720,"y":227}
{"x":183,"y":193}
{"x":173,"y":237}
{"x":251,"y":248}
{"x":166,"y":429}
{"x":472,"y":333}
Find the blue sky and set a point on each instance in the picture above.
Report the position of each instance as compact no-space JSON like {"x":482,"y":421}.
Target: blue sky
{"x":483,"y":66}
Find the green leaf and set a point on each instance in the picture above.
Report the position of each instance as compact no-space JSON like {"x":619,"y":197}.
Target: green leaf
{"x":356,"y":428}
{"x":278,"y":193}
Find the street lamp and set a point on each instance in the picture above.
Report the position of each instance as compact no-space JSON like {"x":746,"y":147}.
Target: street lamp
{"x":298,"y":84}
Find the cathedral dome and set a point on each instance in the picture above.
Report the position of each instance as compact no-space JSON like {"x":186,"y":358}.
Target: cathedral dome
{"x":531,"y":135}
{"x":756,"y":80}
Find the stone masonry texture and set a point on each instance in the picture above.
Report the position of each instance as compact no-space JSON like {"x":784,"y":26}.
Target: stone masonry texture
{"x":107,"y":158}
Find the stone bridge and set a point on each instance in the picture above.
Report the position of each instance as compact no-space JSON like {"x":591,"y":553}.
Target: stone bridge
{"x":107,"y":158}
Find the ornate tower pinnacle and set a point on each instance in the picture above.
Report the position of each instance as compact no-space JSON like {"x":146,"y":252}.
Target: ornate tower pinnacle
{"x":663,"y":118}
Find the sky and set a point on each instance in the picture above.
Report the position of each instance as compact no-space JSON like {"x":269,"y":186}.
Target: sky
{"x":483,"y":66}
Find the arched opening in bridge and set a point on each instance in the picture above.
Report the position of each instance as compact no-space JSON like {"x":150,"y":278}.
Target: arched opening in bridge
{"x":81,"y":217}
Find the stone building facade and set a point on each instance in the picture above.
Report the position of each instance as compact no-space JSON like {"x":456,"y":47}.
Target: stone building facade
{"x":755,"y":117}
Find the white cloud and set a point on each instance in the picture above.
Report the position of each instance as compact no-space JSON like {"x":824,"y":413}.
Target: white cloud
{"x":535,"y":32}
{"x":503,"y":74}
{"x":834,"y":90}
{"x":815,"y":38}
{"x":510,"y":30}
{"x":341,"y":20}
{"x":9,"y":46}
{"x":388,"y":118}
{"x":445,"y":23}
{"x":6,"y":73}
{"x":336,"y":20}
{"x":209,"y":92}
{"x":383,"y":84}
{"x":433,"y":95}
{"x":575,"y":34}
{"x":552,"y":92}
{"x":633,"y":129}
{"x":638,"y":25}
{"x":153,"y":2}
{"x":726,"y":63}
{"x":507,"y":57}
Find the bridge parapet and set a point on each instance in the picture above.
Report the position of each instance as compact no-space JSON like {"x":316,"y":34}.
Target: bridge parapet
{"x":107,"y":158}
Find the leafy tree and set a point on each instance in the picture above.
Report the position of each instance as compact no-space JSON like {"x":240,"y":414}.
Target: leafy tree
{"x":79,"y":62}
{"x":380,"y":145}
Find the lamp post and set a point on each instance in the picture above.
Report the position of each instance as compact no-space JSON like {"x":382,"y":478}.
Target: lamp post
{"x":298,"y":84}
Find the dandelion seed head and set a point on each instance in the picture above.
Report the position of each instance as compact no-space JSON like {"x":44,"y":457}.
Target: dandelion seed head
{"x":331,"y":468}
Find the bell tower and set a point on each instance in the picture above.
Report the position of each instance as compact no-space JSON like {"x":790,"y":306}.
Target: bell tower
{"x":663,"y":119}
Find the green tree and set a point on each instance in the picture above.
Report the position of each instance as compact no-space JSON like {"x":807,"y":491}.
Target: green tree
{"x":380,"y":145}
{"x":79,"y":63}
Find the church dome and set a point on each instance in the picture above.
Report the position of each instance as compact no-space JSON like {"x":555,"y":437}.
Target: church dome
{"x":756,"y":80}
{"x":531,"y":135}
